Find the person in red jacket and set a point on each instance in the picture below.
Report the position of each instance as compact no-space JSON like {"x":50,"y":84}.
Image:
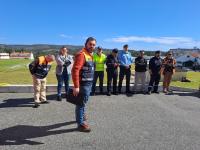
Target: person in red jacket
{"x":82,"y":76}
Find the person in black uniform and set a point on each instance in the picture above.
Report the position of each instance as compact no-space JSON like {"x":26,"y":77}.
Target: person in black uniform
{"x":155,"y":65}
{"x":112,"y":64}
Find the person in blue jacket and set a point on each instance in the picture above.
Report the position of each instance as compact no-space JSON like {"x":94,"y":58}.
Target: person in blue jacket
{"x":125,"y":60}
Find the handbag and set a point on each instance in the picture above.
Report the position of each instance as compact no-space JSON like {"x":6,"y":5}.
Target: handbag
{"x":76,"y":100}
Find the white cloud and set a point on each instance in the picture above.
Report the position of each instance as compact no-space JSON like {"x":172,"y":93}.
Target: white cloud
{"x":178,"y":41}
{"x":65,"y":36}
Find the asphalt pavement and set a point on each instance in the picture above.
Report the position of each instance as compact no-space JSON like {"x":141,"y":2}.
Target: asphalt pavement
{"x":123,"y":122}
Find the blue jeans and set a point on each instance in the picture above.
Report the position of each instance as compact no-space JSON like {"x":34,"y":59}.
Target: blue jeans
{"x":80,"y":110}
{"x":65,"y":77}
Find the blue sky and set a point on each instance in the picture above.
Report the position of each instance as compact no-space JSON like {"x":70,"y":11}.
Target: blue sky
{"x":143,"y":24}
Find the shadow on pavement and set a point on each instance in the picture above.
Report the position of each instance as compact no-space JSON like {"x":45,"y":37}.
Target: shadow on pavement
{"x":21,"y":134}
{"x":24,"y":102}
{"x":194,"y":94}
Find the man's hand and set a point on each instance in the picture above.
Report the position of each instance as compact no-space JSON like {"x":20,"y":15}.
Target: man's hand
{"x":173,"y":72}
{"x":76,"y":91}
{"x":127,"y":67}
{"x":116,"y":65}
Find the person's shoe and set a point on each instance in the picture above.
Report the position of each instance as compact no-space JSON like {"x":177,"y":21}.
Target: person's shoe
{"x":101,"y":93}
{"x":165,"y":91}
{"x":129,"y":92}
{"x":92,"y":94}
{"x":149,"y":92}
{"x":108,"y":94}
{"x":119,"y":92}
{"x":115,"y":93}
{"x":59,"y":98}
{"x":44,"y":102}
{"x":36,"y":105}
{"x":156,"y":92}
{"x":84,"y":128}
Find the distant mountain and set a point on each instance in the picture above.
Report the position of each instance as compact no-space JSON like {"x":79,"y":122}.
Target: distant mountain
{"x":39,"y":47}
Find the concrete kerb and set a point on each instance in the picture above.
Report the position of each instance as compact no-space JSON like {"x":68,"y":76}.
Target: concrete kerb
{"x":53,"y":88}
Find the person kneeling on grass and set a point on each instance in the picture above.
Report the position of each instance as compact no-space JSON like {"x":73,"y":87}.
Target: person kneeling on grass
{"x":39,"y":69}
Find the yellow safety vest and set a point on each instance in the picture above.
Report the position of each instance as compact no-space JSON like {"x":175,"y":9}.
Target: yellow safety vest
{"x":99,"y":61}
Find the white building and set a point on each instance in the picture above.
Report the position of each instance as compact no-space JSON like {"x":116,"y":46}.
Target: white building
{"x":20,"y":55}
{"x":4,"y":56}
{"x":189,"y":59}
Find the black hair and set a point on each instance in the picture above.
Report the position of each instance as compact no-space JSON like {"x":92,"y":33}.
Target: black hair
{"x":115,"y":50}
{"x":63,"y":47}
{"x":126,"y":45}
{"x":90,"y":39}
{"x":157,"y":52}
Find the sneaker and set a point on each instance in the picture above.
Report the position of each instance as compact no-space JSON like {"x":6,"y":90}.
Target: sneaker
{"x":149,"y":92}
{"x":59,"y":98}
{"x":108,"y":94}
{"x":115,"y":93}
{"x":128,"y":92}
{"x":84,"y":128}
{"x":156,"y":92}
{"x":101,"y":93}
{"x":36,"y":105}
{"x":165,"y":91}
{"x":44,"y":102}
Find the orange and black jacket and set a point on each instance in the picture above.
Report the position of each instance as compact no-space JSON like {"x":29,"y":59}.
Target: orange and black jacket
{"x":40,"y":67}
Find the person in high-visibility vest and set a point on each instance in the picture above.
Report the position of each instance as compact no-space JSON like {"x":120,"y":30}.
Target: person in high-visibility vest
{"x":39,"y":70}
{"x":82,"y":76}
{"x":99,"y":61}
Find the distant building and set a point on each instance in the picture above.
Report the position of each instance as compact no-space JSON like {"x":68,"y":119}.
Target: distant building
{"x":183,"y":51}
{"x":21,"y":55}
{"x":4,"y":56}
{"x":191,"y":60}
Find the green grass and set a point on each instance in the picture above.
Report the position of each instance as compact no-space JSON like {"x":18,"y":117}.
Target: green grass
{"x":15,"y":71}
{"x":194,"y":77}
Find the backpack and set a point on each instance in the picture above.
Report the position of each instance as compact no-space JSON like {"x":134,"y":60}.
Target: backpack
{"x":32,"y":67}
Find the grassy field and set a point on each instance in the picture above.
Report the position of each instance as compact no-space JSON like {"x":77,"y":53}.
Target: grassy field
{"x":194,"y":77}
{"x":15,"y":71}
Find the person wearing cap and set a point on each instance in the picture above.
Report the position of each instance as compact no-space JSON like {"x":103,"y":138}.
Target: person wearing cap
{"x":99,"y":60}
{"x":39,"y":69}
{"x":82,"y":76}
{"x":63,"y":71}
{"x":140,"y":72}
{"x":167,"y":70}
{"x":125,"y":60}
{"x":155,"y":64}
{"x":112,"y":64}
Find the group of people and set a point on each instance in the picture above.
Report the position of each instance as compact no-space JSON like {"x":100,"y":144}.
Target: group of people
{"x":87,"y":67}
{"x":122,"y":61}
